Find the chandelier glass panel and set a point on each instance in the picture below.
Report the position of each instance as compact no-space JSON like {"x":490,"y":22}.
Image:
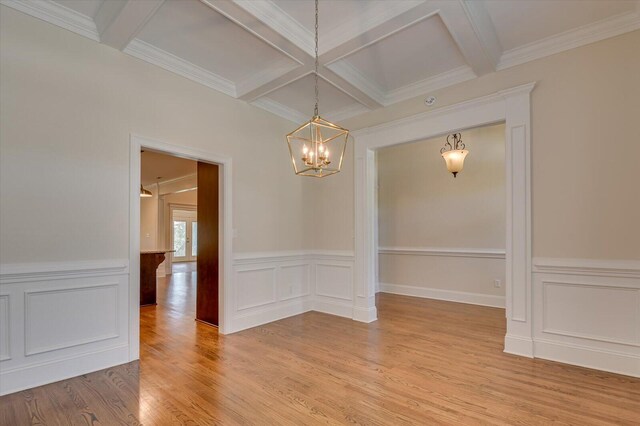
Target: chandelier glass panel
{"x":317,"y":147}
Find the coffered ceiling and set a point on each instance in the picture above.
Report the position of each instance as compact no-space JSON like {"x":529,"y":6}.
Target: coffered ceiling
{"x":373,"y":53}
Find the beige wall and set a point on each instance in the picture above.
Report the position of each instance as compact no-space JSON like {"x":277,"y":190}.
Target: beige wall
{"x":421,"y":205}
{"x":585,"y":149}
{"x":68,"y":106}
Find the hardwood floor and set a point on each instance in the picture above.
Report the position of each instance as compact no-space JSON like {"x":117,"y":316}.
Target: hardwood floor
{"x":423,"y":362}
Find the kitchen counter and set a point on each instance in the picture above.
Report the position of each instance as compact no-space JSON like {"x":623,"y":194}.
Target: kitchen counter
{"x":149,"y":262}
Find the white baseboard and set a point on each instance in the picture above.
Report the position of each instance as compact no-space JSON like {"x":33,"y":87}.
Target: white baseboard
{"x":515,"y":345}
{"x":31,"y":376}
{"x":341,"y":309}
{"x":448,"y":295}
{"x":365,"y":315}
{"x":598,"y":359}
{"x":254,"y":319}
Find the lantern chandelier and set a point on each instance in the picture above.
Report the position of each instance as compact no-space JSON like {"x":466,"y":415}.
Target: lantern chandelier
{"x":454,"y":153}
{"x":317,"y":147}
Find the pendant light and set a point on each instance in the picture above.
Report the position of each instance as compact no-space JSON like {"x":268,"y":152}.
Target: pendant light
{"x":145,"y":193}
{"x":317,"y":146}
{"x":454,"y":153}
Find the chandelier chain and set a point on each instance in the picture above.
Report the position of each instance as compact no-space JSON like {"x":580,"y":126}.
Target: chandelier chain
{"x":315,"y":111}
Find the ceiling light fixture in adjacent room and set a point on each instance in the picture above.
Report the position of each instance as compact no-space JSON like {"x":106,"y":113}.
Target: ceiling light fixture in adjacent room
{"x":145,"y":193}
{"x":317,"y":147}
{"x":454,"y":153}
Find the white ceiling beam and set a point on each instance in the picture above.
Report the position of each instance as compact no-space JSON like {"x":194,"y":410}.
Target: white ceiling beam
{"x":119,"y":21}
{"x":271,"y":26}
{"x":276,"y":83}
{"x":484,"y":29}
{"x":266,"y":29}
{"x":349,"y":88}
{"x":458,"y":22}
{"x":237,"y":13}
{"x":381,"y":31}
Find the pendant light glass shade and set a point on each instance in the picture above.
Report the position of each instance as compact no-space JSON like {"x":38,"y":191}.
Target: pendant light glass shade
{"x":317,"y":146}
{"x":145,"y":193}
{"x":454,"y":160}
{"x":454,"y":153}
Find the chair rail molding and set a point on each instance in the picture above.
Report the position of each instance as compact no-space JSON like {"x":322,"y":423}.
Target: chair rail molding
{"x":482,"y":253}
{"x":511,"y":106}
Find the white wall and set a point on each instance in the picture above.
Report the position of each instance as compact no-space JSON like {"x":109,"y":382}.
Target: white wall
{"x":437,"y":232}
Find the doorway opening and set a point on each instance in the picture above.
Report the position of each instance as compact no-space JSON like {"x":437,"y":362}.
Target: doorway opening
{"x":440,"y":236}
{"x":182,"y":224}
{"x":511,"y":106}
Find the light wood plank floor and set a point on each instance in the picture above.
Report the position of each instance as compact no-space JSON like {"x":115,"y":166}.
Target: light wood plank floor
{"x":423,"y":362}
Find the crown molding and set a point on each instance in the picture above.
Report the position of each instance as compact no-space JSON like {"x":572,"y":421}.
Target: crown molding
{"x":280,"y":110}
{"x":170,"y":62}
{"x":281,"y":22}
{"x":56,"y":14}
{"x":442,"y":80}
{"x":571,"y":39}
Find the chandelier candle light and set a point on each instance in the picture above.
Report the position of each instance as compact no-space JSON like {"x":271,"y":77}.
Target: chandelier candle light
{"x":317,"y":147}
{"x":454,"y":153}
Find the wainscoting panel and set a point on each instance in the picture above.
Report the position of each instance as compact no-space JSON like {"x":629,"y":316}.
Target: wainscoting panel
{"x":334,"y":283}
{"x":5,"y":328}
{"x":585,"y":311}
{"x":334,"y":280}
{"x":588,"y":313}
{"x":294,"y":281}
{"x":270,"y":286}
{"x":256,"y":287}
{"x":65,"y":317}
{"x":275,"y":285}
{"x":61,"y":320}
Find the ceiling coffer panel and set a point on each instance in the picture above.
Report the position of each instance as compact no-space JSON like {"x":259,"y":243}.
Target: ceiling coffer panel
{"x":518,"y":23}
{"x":420,"y":51}
{"x":198,"y":34}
